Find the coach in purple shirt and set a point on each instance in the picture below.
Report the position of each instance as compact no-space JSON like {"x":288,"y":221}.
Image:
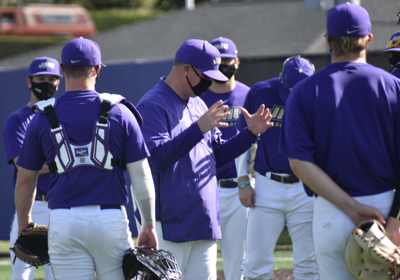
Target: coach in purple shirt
{"x":186,"y":148}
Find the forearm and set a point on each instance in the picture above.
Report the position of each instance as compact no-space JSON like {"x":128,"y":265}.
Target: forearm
{"x":143,"y":189}
{"x":44,"y":170}
{"x":234,"y":147}
{"x":25,"y":191}
{"x":169,"y":152}
{"x":319,"y":182}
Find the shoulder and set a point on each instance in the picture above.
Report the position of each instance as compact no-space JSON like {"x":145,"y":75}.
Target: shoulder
{"x":242,"y":86}
{"x":265,"y":87}
{"x":19,"y":116}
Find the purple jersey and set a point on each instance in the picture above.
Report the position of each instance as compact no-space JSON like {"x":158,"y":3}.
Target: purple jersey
{"x":234,"y":99}
{"x":183,"y":163}
{"x":268,"y":159}
{"x":78,"y":111}
{"x":346,"y":119}
{"x":14,"y":136}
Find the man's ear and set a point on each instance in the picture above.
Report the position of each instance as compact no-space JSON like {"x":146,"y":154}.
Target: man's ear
{"x":57,"y":84}
{"x":185,"y":69}
{"x":237,"y":62}
{"x":62,"y":68}
{"x":29,"y":83}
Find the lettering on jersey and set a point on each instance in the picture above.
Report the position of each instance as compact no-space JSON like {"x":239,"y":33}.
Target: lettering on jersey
{"x":277,"y":112}
{"x":235,"y":113}
{"x":82,"y":152}
{"x":217,"y":61}
{"x":47,"y":65}
{"x":222,"y":46}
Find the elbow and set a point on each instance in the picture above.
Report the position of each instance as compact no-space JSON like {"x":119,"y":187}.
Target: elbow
{"x":295,"y":166}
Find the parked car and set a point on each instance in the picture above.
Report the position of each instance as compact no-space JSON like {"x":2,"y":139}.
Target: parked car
{"x":46,"y":20}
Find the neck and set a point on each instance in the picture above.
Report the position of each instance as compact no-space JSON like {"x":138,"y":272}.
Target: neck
{"x":33,"y":100}
{"x":225,"y":87}
{"x":360,"y":57}
{"x":83,"y":83}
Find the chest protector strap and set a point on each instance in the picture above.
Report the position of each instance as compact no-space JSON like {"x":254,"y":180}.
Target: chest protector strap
{"x":95,"y":153}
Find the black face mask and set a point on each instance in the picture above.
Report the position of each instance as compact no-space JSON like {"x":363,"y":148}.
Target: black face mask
{"x":227,"y":70}
{"x":201,"y":87}
{"x":43,"y":91}
{"x":394,"y":59}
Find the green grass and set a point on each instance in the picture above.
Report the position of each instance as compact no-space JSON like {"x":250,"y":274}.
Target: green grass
{"x":283,"y":259}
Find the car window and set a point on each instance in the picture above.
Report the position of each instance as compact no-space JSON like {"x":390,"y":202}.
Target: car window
{"x":7,"y":18}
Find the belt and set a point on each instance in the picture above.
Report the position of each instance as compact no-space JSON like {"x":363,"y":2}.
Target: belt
{"x":286,"y":179}
{"x":42,"y":197}
{"x":102,"y":207}
{"x":228,"y":184}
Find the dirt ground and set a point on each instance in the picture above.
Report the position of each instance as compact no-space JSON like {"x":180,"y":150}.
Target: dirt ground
{"x":279,"y":274}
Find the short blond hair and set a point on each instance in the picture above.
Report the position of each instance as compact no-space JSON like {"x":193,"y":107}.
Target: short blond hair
{"x":345,"y":45}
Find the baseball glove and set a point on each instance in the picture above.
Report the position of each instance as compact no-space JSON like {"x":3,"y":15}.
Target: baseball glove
{"x":31,"y":246}
{"x":370,"y":255}
{"x":141,"y":263}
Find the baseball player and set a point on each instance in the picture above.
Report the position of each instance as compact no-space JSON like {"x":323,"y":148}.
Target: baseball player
{"x":87,"y":139}
{"x":341,"y":133}
{"x":232,"y":214}
{"x":278,"y":198}
{"x":393,"y":47}
{"x":42,"y":81}
{"x":186,"y":148}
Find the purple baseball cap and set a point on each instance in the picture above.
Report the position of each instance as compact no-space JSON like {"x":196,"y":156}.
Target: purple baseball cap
{"x":225,"y":47}
{"x":394,"y":43}
{"x":44,"y":66}
{"x":349,"y":20}
{"x":294,"y":70}
{"x":202,"y":55}
{"x":81,"y":52}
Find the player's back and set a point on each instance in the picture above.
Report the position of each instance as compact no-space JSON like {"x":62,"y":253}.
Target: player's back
{"x":355,"y":119}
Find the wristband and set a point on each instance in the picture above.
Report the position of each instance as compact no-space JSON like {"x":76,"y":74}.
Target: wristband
{"x":243,"y":184}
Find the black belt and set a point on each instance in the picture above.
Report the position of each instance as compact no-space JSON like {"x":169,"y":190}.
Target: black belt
{"x":102,"y":207}
{"x":42,"y":197}
{"x":228,"y":184}
{"x":286,"y":179}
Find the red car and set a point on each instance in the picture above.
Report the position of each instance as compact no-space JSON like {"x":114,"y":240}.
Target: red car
{"x":46,"y":20}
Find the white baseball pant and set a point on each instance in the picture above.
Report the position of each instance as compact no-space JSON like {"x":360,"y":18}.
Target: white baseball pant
{"x":276,"y":205}
{"x":21,"y":270}
{"x":233,"y":216}
{"x":196,"y":259}
{"x":85,"y":239}
{"x":332,"y":229}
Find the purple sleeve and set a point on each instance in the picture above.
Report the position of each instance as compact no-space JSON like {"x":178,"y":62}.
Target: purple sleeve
{"x":32,"y":156}
{"x":241,"y":122}
{"x":296,"y":140}
{"x":134,"y":145}
{"x":14,"y":135}
{"x":164,"y":149}
{"x":226,"y":151}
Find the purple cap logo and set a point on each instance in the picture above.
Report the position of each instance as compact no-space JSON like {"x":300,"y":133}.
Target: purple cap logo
{"x":202,"y":55}
{"x":44,"y":66}
{"x":294,"y":70}
{"x":348,"y":20}
{"x":225,"y":47}
{"x":81,"y":52}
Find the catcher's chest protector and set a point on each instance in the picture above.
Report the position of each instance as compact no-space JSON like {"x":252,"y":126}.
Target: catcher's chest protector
{"x":95,"y":153}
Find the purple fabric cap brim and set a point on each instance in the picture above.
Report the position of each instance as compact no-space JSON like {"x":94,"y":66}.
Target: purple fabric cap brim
{"x":215,"y":74}
{"x":46,"y":73}
{"x":395,"y":49}
{"x":228,"y":55}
